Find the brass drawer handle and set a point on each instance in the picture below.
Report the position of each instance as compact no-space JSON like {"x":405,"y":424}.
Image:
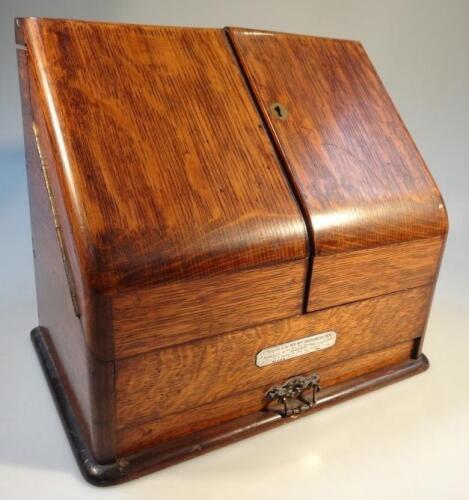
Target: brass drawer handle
{"x":293,"y":397}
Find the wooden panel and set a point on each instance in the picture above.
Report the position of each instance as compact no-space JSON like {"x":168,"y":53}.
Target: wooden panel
{"x":179,"y":312}
{"x":88,"y":381}
{"x":163,"y":167}
{"x":137,"y":437}
{"x":346,"y":277}
{"x":93,"y":307}
{"x":170,"y":380}
{"x":360,"y":177}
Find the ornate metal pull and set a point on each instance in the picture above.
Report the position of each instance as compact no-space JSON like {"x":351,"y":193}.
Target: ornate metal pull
{"x":295,"y":396}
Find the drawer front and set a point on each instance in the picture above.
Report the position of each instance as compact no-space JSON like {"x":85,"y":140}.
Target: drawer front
{"x":139,"y":436}
{"x":175,"y":379}
{"x":351,"y":276}
{"x":173,"y":313}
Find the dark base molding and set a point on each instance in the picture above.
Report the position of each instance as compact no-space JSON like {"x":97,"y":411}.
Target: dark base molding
{"x":177,"y":450}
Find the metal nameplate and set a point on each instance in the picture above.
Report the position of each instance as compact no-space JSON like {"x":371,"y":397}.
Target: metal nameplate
{"x":295,"y":348}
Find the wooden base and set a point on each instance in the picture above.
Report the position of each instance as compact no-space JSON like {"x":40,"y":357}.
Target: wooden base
{"x":166,"y":454}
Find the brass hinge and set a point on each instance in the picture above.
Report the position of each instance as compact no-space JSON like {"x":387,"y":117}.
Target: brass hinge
{"x":58,"y":232}
{"x":296,"y":395}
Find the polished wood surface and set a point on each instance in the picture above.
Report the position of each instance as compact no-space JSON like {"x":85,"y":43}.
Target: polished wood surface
{"x":342,"y":278}
{"x":158,"y":456}
{"x":359,"y":176}
{"x":165,"y":170}
{"x":140,"y":436}
{"x":93,"y":308}
{"x":174,"y":313}
{"x":88,"y":381}
{"x":200,"y":195}
{"x":172,"y":380}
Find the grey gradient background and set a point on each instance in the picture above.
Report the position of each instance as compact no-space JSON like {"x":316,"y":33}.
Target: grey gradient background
{"x":406,"y":441}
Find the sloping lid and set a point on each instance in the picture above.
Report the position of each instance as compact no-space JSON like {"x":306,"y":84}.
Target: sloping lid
{"x":359,"y":176}
{"x":163,"y":165}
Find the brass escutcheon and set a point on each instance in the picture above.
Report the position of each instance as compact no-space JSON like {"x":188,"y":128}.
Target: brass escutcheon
{"x":278,"y":110}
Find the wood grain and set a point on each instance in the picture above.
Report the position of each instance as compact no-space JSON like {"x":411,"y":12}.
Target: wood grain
{"x":350,"y":276}
{"x":89,"y":382}
{"x":165,"y":170}
{"x":92,"y":307}
{"x":170,"y":380}
{"x":180,"y":225}
{"x":360,"y":179}
{"x":360,"y":176}
{"x":138,"y":437}
{"x":174,"y":313}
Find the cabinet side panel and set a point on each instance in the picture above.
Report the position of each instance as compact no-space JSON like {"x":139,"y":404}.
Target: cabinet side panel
{"x":82,"y":374}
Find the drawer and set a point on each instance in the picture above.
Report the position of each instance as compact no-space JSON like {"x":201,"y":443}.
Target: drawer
{"x":175,"y":379}
{"x":164,"y":429}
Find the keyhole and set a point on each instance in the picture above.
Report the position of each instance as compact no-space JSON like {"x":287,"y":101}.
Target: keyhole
{"x":278,"y":110}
